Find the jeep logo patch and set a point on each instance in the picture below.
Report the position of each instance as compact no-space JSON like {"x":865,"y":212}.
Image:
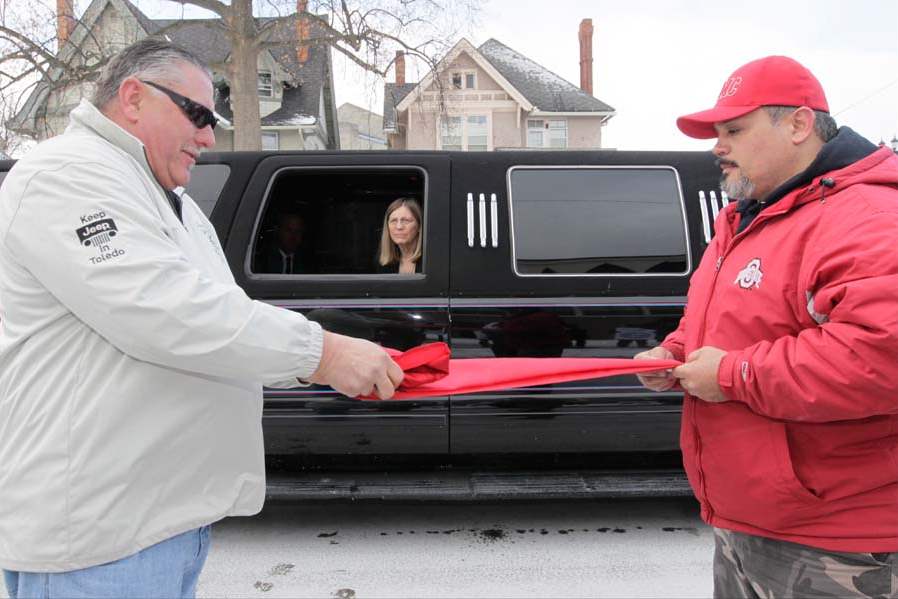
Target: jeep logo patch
{"x":97,"y":233}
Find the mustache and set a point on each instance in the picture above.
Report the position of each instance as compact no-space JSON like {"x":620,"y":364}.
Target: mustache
{"x":720,"y":162}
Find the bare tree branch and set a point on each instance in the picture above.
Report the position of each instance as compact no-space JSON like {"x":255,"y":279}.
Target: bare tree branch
{"x":32,"y":47}
{"x":364,"y":31}
{"x":219,"y":8}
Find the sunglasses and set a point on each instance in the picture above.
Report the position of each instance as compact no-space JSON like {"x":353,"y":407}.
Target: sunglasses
{"x":198,"y":114}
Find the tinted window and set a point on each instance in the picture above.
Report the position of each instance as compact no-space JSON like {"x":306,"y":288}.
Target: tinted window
{"x":206,"y":183}
{"x":331,"y":221}
{"x":597,"y":221}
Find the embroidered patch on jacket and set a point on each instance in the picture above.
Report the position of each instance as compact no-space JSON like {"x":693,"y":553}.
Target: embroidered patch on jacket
{"x":99,"y":231}
{"x":751,"y":275}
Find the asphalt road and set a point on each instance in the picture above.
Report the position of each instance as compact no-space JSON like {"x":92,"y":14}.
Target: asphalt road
{"x":620,"y":548}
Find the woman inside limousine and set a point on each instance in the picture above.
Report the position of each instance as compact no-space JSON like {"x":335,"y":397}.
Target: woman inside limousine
{"x":401,"y":239}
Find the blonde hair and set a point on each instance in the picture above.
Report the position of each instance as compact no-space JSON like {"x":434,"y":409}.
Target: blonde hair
{"x":389,"y":251}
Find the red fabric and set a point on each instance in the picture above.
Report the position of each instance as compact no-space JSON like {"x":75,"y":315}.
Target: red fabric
{"x":429,"y":371}
{"x":769,"y":81}
{"x":807,"y":449}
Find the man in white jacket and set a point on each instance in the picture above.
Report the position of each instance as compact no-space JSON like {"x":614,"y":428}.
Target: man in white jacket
{"x":131,"y":365}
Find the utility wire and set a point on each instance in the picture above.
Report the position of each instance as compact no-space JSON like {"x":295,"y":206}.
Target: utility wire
{"x":862,"y":100}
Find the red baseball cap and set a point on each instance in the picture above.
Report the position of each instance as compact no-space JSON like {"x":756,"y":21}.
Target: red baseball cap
{"x":769,"y":81}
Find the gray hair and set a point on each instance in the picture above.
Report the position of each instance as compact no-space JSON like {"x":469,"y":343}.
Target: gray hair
{"x":149,"y":58}
{"x":824,"y":125}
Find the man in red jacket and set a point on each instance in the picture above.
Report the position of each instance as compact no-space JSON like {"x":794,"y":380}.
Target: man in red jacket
{"x":790,"y":337}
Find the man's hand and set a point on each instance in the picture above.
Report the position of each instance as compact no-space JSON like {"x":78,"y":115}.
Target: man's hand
{"x":698,"y":376}
{"x":356,"y":367}
{"x":661,"y":380}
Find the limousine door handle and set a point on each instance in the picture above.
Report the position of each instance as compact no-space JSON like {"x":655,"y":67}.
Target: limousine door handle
{"x":483,"y":220}
{"x":470,"y":220}
{"x":708,"y":219}
{"x":481,"y":209}
{"x":494,"y":219}
{"x":706,"y":222}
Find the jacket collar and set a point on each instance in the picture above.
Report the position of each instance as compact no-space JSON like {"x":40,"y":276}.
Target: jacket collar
{"x":843,"y":150}
{"x":846,"y":153}
{"x":87,"y":117}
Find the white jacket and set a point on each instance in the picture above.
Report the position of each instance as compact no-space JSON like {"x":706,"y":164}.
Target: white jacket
{"x":131,"y":364}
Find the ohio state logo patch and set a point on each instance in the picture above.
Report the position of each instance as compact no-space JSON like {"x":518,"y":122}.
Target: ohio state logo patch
{"x":751,"y":275}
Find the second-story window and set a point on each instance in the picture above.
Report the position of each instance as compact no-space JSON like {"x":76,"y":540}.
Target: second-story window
{"x":469,"y":132}
{"x":265,"y":89}
{"x":451,"y":133}
{"x":543,"y":133}
{"x":271,"y":140}
{"x":557,"y":134}
{"x":477,"y":133}
{"x":535,"y":129}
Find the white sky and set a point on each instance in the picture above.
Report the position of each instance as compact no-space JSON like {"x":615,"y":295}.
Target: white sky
{"x":655,"y":60}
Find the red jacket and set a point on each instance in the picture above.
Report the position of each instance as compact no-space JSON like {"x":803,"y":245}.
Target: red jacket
{"x":805,"y":301}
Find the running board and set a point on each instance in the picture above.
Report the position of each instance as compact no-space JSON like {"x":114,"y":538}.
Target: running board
{"x":477,"y":486}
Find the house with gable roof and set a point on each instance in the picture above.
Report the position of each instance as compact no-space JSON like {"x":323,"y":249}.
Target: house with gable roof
{"x":493,"y":97}
{"x":295,"y":85}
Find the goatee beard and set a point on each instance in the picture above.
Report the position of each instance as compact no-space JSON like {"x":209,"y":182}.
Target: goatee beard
{"x":741,"y":189}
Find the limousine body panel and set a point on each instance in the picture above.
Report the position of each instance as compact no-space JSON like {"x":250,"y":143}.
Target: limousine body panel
{"x":501,"y":277}
{"x":498,"y":310}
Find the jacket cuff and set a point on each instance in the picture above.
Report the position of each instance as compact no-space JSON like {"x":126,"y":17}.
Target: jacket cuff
{"x":677,"y":351}
{"x":728,"y":377}
{"x":311,"y":360}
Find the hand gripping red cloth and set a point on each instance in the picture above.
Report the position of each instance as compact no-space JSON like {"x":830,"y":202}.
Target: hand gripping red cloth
{"x":429,"y":371}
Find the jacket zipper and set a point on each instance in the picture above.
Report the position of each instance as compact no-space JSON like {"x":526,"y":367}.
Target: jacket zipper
{"x":701,"y":338}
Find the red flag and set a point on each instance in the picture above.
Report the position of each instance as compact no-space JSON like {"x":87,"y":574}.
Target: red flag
{"x":429,"y":371}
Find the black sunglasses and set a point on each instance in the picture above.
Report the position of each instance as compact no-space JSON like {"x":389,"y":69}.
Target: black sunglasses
{"x":198,"y":114}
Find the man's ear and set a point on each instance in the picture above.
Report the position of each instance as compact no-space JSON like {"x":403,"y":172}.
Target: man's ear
{"x":802,"y":124}
{"x":131,"y":95}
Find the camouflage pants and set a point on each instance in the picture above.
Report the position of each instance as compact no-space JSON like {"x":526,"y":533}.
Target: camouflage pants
{"x":751,"y":566}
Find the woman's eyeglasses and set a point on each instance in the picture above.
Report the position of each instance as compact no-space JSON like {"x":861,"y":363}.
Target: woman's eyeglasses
{"x":395,"y":222}
{"x":198,"y":114}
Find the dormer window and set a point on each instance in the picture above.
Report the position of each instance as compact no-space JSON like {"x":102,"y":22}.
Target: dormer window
{"x":264,"y":86}
{"x":464,"y":80}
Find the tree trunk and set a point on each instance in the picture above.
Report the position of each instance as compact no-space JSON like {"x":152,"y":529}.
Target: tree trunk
{"x":243,"y":77}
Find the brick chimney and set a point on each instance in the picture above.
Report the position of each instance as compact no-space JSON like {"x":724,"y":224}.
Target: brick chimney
{"x":586,"y":55}
{"x":399,"y":65}
{"x":303,"y":30}
{"x":65,"y":20}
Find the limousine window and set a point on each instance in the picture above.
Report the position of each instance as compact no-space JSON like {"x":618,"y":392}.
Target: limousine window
{"x":328,"y":221}
{"x":206,"y":183}
{"x":597,"y":221}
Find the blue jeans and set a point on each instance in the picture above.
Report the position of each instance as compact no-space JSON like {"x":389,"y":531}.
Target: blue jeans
{"x":168,"y":569}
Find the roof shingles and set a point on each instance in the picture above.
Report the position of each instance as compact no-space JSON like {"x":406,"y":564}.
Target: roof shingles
{"x":544,"y":89}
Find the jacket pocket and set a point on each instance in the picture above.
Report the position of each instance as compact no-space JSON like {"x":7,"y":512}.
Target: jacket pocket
{"x":689,"y":446}
{"x":749,"y":476}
